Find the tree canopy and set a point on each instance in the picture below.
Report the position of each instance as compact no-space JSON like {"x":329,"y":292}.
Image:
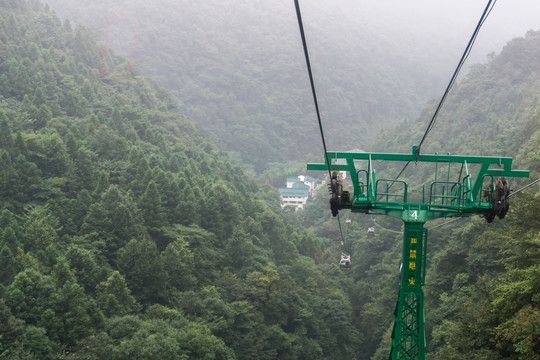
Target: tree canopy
{"x":124,"y":232}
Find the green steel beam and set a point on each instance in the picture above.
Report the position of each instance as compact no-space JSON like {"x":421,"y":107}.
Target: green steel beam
{"x":456,"y":199}
{"x":506,"y":161}
{"x":368,"y":201}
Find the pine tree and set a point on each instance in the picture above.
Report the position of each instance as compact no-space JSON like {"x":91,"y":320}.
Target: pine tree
{"x":141,"y":265}
{"x":8,"y":178}
{"x":20,"y":145}
{"x":8,"y":266}
{"x":112,"y":222}
{"x":240,"y":249}
{"x":29,"y":183}
{"x":9,"y":239}
{"x":151,"y":209}
{"x":114,"y":297}
{"x":6,"y":139}
{"x":179,"y":264}
{"x":102,"y":183}
{"x":41,"y":229}
{"x":221,"y":210}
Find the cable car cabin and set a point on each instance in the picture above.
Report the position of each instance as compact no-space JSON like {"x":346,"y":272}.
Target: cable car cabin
{"x":345,"y":265}
{"x":345,"y":262}
{"x":371,"y":231}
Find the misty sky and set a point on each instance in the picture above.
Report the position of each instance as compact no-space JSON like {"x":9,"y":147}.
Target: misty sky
{"x":448,"y":20}
{"x":406,"y":49}
{"x":444,"y":24}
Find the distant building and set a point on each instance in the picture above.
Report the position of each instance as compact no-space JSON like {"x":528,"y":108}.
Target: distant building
{"x":298,"y":190}
{"x":307,"y":180}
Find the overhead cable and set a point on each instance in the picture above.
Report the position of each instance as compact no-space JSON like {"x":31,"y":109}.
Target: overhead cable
{"x":485,"y":14}
{"x":308,"y":64}
{"x":382,"y":227}
{"x":466,"y":53}
{"x":523,"y":188}
{"x":444,"y":223}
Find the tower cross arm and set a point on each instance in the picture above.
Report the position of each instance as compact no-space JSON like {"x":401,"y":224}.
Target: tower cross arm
{"x":505,"y":162}
{"x":494,"y":166}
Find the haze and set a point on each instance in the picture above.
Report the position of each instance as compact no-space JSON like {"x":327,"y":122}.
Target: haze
{"x":239,"y":63}
{"x":447,"y":24}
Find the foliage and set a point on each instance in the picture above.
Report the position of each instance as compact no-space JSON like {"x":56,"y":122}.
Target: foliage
{"x":125,"y":233}
{"x":238,"y":68}
{"x":482,"y":280}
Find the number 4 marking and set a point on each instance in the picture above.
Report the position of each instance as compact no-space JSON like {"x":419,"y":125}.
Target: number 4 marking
{"x":414,"y":214}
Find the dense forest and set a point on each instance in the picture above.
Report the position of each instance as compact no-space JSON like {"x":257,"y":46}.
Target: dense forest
{"x":238,"y":68}
{"x":483,"y":280}
{"x":126,"y":233}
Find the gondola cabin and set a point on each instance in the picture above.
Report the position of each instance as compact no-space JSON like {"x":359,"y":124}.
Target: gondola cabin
{"x":345,"y":262}
{"x":345,"y":265}
{"x":371,"y":231}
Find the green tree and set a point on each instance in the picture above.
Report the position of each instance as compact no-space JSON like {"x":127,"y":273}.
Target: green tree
{"x":20,"y":341}
{"x":517,"y":305}
{"x":80,"y":207}
{"x":139,"y":261}
{"x":11,"y":329}
{"x":20,"y":145}
{"x":40,"y":229}
{"x":8,"y":268}
{"x":151,"y":209}
{"x":42,"y":116}
{"x":29,"y":183}
{"x":240,"y":250}
{"x":79,"y":315}
{"x":114,"y":297}
{"x":84,"y":170}
{"x":188,"y":208}
{"x":102,"y":184}
{"x":222,"y":210}
{"x":9,"y":239}
{"x":48,"y":151}
{"x":8,"y":219}
{"x":6,"y":138}
{"x":85,"y":267}
{"x":132,"y":337}
{"x":112,"y":222}
{"x":8,"y":178}
{"x":179,"y":263}
{"x":30,"y":295}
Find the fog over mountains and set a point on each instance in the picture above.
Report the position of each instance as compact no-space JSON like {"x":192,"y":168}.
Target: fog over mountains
{"x":238,"y":68}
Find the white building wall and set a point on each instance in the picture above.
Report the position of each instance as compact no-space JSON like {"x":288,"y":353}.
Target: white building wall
{"x":294,"y":201}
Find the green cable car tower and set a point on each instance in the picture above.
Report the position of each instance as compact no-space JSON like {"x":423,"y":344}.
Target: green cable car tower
{"x":468,"y":185}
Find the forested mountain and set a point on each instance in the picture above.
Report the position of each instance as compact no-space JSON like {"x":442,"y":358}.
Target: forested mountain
{"x":492,"y":111}
{"x":239,"y":69}
{"x":483,"y":280}
{"x":124,"y":233}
